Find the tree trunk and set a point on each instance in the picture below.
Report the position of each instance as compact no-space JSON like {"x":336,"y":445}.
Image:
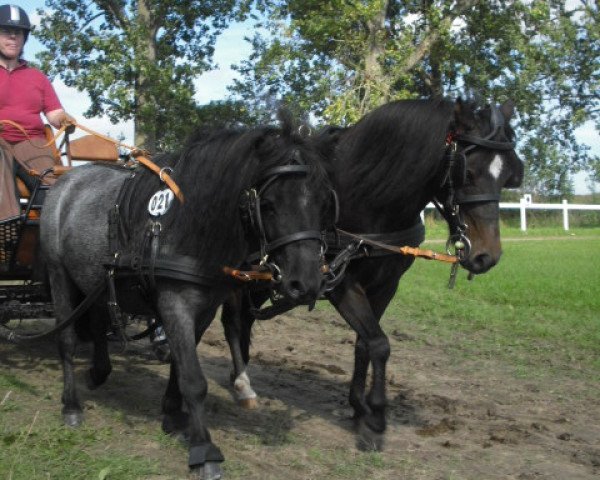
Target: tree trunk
{"x":144,"y":124}
{"x":376,"y":88}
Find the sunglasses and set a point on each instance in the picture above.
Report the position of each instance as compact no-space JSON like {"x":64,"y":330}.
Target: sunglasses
{"x":9,"y":31}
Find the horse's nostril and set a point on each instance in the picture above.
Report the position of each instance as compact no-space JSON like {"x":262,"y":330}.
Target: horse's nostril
{"x":296,"y":290}
{"x":483,"y":262}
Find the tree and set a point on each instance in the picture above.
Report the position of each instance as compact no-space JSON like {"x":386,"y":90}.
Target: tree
{"x":136,"y":58}
{"x":342,"y":58}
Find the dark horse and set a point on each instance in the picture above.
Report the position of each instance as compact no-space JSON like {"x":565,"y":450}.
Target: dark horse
{"x":385,"y":170}
{"x":171,"y":261}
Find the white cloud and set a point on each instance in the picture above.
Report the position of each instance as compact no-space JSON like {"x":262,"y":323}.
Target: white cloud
{"x":35,"y":18}
{"x":213,"y":85}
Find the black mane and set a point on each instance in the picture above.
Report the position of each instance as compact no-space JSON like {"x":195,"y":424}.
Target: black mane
{"x":212,"y":170}
{"x":393,"y":145}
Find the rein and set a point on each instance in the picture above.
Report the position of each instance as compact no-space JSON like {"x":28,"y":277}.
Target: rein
{"x":139,"y":155}
{"x":410,"y":251}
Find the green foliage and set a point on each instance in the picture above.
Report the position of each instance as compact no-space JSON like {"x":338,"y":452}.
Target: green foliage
{"x":341,"y":59}
{"x":224,"y":113}
{"x":136,"y":59}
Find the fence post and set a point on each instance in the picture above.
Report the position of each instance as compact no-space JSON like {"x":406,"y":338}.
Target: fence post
{"x":522,"y":208}
{"x":565,"y":214}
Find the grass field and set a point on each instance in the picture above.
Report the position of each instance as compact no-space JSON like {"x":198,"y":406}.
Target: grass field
{"x":540,"y":306}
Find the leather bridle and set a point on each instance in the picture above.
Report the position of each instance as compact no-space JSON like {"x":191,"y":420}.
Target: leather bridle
{"x":251,"y":205}
{"x":455,"y":177}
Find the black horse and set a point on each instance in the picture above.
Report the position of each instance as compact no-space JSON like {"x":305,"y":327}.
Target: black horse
{"x":385,"y":170}
{"x":261,"y":187}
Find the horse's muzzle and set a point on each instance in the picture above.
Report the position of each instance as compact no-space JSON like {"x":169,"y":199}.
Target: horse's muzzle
{"x":299,"y":292}
{"x":479,"y":262}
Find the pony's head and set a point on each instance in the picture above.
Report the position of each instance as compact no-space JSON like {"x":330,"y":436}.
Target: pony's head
{"x":481,"y":161}
{"x":290,"y":206}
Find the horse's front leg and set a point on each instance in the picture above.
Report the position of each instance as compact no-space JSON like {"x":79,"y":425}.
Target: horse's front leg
{"x":372,"y":345}
{"x":186,"y":313}
{"x":175,"y":420}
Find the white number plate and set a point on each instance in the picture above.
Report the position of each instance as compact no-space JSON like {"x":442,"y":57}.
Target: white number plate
{"x":160,"y":202}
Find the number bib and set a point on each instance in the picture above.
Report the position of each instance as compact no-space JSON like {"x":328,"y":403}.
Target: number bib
{"x":160,"y":202}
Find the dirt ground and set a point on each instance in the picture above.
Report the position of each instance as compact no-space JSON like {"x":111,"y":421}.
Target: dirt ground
{"x":448,"y":418}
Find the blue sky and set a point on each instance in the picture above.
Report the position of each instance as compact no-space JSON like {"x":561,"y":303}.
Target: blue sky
{"x":230,"y":49}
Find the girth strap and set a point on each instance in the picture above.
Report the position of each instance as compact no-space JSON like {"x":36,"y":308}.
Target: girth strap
{"x":176,"y":267}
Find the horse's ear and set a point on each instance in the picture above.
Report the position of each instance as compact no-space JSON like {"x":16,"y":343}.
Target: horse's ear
{"x":464,"y":117}
{"x":516,"y":179}
{"x":508,"y":109}
{"x":263,"y":144}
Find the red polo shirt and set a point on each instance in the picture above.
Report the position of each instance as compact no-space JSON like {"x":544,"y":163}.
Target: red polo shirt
{"x":25,"y":92}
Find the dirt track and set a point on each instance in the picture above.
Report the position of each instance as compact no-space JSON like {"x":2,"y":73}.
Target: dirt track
{"x":449,"y":418}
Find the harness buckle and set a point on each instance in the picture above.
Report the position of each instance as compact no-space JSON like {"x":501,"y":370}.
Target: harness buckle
{"x":276,"y":275}
{"x":162,"y":171}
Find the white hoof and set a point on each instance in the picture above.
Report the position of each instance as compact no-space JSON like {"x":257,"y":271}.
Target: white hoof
{"x":248,"y":403}
{"x":245,"y":396}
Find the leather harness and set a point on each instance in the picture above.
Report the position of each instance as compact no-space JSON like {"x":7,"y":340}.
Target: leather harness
{"x":146,"y":264}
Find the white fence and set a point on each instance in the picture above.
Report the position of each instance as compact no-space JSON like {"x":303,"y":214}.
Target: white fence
{"x":525,"y":204}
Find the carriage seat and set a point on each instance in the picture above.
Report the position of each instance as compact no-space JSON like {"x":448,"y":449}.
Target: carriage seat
{"x":86,"y":148}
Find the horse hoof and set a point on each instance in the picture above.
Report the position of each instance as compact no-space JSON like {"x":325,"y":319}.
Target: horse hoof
{"x":248,"y":403}
{"x":368,"y":440}
{"x":208,"y":471}
{"x":243,"y":393}
{"x":73,"y":419}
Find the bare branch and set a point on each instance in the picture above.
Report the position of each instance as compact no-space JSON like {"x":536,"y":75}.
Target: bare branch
{"x":90,"y":21}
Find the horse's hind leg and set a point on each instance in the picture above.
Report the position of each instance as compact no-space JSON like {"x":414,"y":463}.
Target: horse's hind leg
{"x":66,"y":297}
{"x":237,"y":323}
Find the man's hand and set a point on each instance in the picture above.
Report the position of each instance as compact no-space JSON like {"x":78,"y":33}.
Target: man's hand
{"x":59,"y":118}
